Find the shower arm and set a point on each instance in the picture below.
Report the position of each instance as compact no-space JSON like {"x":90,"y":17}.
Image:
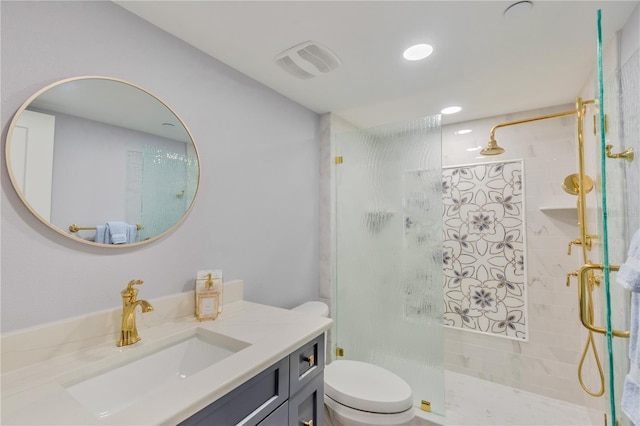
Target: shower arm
{"x":579,"y":111}
{"x":492,"y":134}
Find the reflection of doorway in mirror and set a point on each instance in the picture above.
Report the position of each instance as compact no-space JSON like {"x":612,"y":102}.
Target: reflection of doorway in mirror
{"x":32,"y":159}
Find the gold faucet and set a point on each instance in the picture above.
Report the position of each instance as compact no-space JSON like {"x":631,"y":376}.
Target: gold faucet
{"x":129,"y":333}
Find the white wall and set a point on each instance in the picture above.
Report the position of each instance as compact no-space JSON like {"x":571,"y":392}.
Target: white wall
{"x":256,"y":216}
{"x":630,"y":36}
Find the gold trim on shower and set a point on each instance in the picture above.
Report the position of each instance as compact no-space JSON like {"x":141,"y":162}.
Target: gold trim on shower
{"x":571,"y":184}
{"x":583,"y":296}
{"x":581,"y":182}
{"x":578,"y":184}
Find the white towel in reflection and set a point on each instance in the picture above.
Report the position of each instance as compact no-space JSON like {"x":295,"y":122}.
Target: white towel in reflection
{"x":629,"y":277}
{"x":101,"y":234}
{"x":117,"y":232}
{"x":132,"y":233}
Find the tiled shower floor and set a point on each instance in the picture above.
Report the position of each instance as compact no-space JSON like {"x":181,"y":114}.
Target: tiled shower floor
{"x":471,"y":401}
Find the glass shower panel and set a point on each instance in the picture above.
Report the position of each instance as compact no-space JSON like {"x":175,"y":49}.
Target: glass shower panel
{"x":389,"y":252}
{"x":169,"y":183}
{"x":620,"y":207}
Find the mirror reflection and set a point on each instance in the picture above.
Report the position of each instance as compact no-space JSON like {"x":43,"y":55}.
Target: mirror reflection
{"x":102,"y":161}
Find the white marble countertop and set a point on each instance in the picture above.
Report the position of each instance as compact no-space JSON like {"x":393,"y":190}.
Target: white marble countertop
{"x":35,"y":393}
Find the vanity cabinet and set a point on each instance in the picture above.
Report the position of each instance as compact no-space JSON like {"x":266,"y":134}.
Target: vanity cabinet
{"x":290,"y":392}
{"x":307,"y":406}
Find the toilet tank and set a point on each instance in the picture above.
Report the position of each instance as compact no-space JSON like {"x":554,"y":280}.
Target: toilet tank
{"x":319,"y":309}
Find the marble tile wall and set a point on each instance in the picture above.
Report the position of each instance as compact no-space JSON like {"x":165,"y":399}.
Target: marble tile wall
{"x":547,"y":364}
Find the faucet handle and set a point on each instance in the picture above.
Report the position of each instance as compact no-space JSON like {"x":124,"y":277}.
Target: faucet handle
{"x":577,"y":242}
{"x":571,"y":274}
{"x":130,"y":291}
{"x":132,"y":283}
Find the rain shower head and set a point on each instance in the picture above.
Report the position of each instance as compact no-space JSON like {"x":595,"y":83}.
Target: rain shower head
{"x":492,"y":148}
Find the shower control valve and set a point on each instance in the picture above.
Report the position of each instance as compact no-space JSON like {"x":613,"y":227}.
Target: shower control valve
{"x":580,"y":242}
{"x":571,"y":274}
{"x":577,"y":242}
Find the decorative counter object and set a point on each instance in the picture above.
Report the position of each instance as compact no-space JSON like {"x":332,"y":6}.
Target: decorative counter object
{"x":208,"y":294}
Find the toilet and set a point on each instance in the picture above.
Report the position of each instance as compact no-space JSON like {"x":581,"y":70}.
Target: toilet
{"x":361,"y":394}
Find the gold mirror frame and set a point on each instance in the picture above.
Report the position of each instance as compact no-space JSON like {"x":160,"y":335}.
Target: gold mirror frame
{"x":69,"y":233}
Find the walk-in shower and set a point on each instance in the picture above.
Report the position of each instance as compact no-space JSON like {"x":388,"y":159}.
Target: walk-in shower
{"x":382,"y":308}
{"x":615,"y":123}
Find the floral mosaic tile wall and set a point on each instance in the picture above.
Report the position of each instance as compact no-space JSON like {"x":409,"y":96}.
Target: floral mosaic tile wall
{"x":484,"y":249}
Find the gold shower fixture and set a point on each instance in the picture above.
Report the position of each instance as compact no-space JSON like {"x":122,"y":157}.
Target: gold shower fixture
{"x":493,"y":148}
{"x":627,"y":155}
{"x":571,"y":184}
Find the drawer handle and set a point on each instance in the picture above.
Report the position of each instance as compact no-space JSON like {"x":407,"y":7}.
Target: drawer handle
{"x":308,"y":423}
{"x":310,"y":359}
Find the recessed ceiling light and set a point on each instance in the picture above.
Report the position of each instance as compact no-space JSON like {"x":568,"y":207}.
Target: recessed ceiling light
{"x":451,"y":110}
{"x":463,"y":132}
{"x":417,"y":52}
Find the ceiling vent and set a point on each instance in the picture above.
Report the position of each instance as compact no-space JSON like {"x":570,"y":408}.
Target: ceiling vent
{"x":308,"y":60}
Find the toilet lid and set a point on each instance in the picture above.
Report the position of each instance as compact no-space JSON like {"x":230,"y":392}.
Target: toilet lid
{"x":366,"y":387}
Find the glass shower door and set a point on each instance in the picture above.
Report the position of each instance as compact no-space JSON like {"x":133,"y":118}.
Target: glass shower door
{"x":389,"y":252}
{"x":619,"y":206}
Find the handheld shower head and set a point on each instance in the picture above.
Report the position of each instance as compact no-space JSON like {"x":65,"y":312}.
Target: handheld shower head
{"x":492,"y":148}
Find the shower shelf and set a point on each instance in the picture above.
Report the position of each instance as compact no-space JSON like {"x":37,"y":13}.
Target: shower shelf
{"x":558,"y":209}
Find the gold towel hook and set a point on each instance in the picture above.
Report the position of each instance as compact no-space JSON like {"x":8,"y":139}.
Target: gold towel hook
{"x":627,"y":155}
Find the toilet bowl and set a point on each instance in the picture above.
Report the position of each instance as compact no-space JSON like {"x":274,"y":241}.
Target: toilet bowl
{"x":361,"y":394}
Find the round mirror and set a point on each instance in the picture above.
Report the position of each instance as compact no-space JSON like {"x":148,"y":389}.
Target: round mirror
{"x":102,"y":161}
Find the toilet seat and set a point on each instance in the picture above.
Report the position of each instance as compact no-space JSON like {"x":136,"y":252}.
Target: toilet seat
{"x":366,"y":387}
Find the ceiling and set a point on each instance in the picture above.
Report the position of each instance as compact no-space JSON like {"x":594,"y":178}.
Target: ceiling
{"x":486,"y":62}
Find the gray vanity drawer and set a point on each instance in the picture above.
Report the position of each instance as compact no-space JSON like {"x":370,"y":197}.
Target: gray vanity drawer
{"x":267,"y":390}
{"x":305,"y":363}
{"x":280,"y":417}
{"x":308,"y":404}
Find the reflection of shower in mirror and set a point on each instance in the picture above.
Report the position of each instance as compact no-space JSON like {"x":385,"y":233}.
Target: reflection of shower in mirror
{"x":108,"y":141}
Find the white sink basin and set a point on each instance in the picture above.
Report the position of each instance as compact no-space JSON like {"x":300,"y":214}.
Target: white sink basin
{"x":138,"y":372}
